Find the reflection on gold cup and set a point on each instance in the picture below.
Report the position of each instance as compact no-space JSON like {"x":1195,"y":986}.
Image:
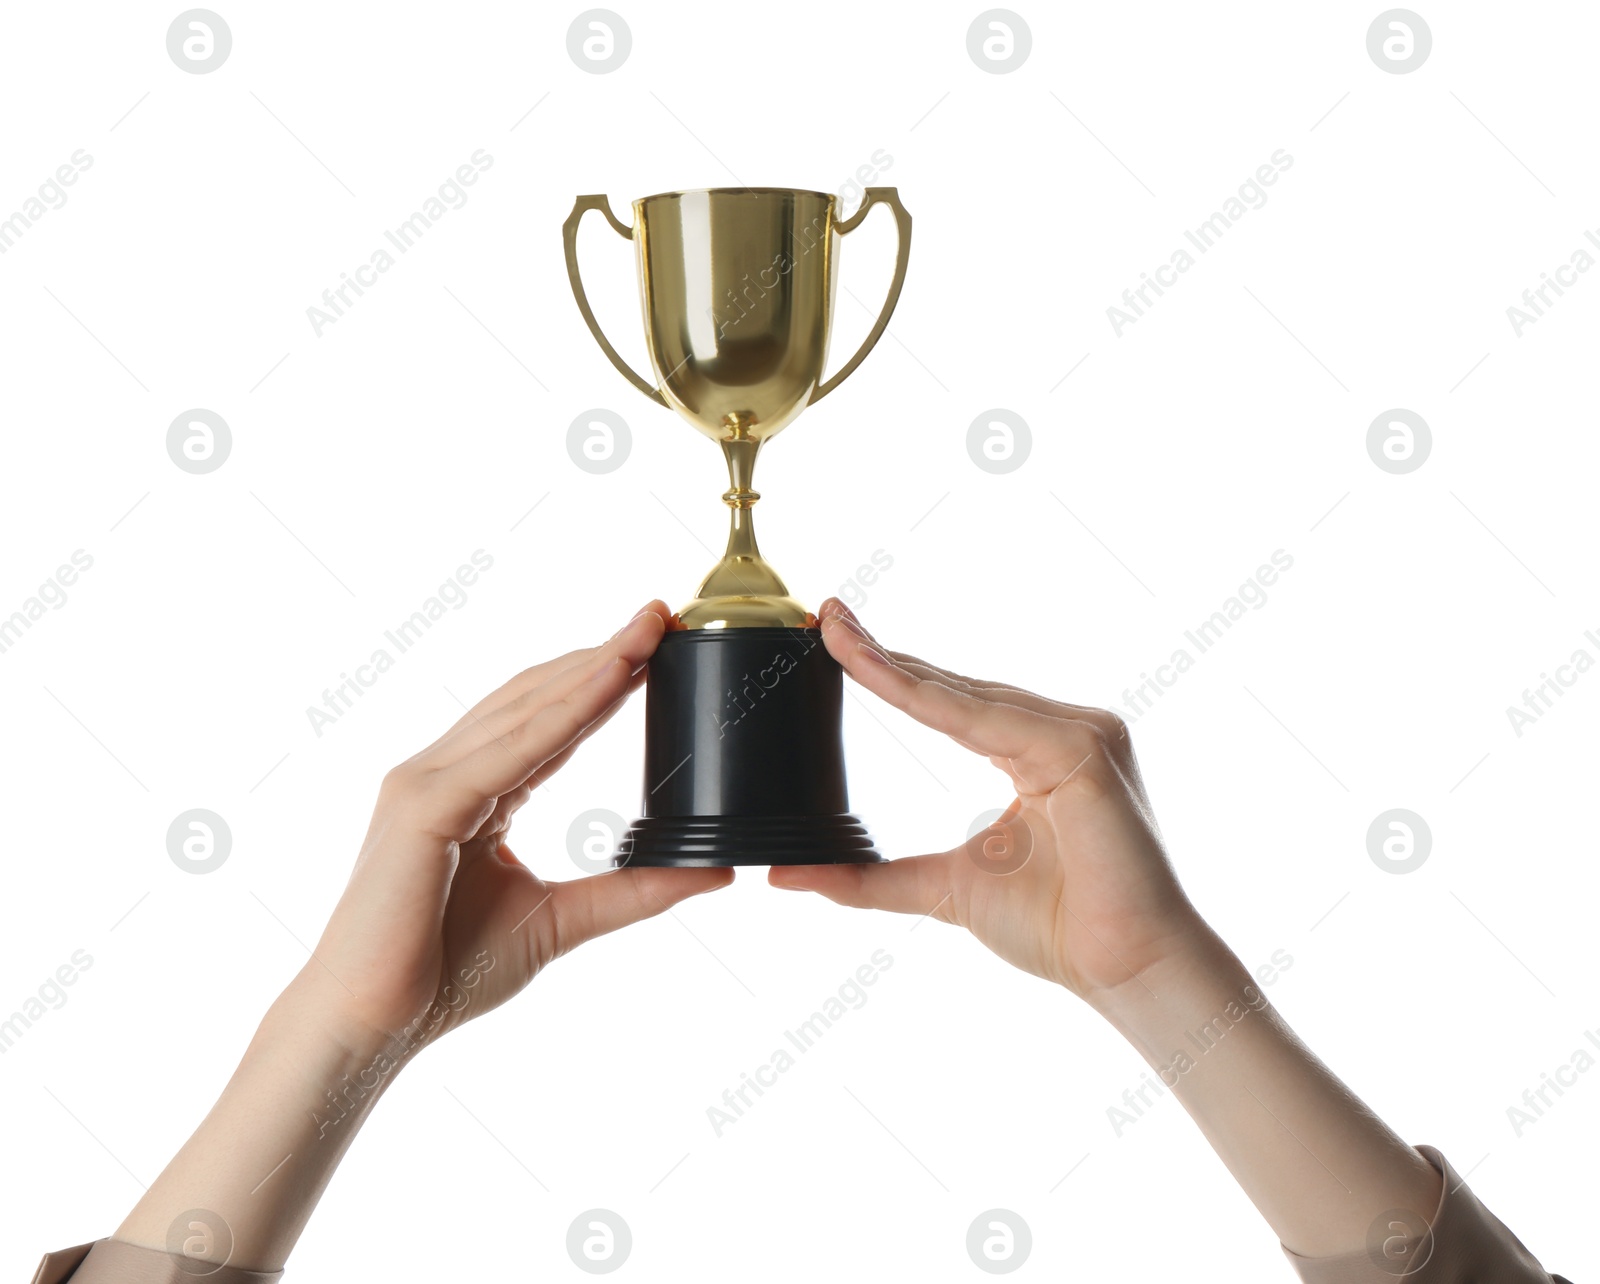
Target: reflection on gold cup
{"x":737,"y":286}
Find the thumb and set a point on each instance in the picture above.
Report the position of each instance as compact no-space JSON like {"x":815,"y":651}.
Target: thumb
{"x":585,"y":908}
{"x":910,"y":885}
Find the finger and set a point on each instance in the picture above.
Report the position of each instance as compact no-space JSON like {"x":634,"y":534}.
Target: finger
{"x":539,"y":674}
{"x":635,"y":642}
{"x":468,"y":730}
{"x":549,"y":767}
{"x":989,"y":726}
{"x":989,"y":690}
{"x":910,"y":885}
{"x":491,"y":835}
{"x":585,"y":908}
{"x":459,"y":797}
{"x":833,"y":607}
{"x":1108,"y":723}
{"x":524,"y":681}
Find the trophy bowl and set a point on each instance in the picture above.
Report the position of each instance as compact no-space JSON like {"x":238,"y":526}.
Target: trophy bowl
{"x":738,"y":297}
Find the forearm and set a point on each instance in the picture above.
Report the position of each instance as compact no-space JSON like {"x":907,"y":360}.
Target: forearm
{"x":262,"y":1157}
{"x":1317,"y":1163}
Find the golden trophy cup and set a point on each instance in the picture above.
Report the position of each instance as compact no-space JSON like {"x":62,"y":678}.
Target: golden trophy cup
{"x":744,"y":760}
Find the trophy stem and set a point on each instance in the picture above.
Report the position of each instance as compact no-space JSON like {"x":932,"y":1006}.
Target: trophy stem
{"x":742,"y":591}
{"x":740,"y":451}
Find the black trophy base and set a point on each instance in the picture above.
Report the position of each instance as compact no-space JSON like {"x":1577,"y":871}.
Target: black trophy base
{"x":744,"y":760}
{"x":747,"y":840}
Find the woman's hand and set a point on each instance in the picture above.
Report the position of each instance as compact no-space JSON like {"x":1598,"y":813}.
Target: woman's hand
{"x":1095,"y":906}
{"x":440,"y":922}
{"x":1072,"y":884}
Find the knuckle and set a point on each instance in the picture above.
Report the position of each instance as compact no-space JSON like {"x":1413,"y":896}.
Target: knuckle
{"x":1114,"y":727}
{"x":400,"y":781}
{"x":1080,"y":736}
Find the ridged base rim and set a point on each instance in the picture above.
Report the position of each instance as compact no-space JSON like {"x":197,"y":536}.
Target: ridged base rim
{"x":698,"y":841}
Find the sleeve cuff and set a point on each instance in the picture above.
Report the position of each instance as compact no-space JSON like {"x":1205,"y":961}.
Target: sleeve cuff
{"x":1464,"y":1244}
{"x":111,"y":1261}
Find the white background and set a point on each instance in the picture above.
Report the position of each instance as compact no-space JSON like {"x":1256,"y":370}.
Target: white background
{"x":367,"y":463}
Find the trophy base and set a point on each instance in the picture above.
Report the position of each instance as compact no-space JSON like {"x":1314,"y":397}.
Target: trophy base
{"x":744,"y":759}
{"x":746,"y":840}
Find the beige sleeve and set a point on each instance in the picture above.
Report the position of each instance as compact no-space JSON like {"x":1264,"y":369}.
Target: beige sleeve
{"x":1467,"y":1244}
{"x":110,"y":1261}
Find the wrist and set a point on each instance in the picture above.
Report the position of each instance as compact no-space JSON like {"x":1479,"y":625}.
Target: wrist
{"x":332,"y":1049}
{"x":1199,"y":974}
{"x":324,"y":1071}
{"x":317,"y":1008}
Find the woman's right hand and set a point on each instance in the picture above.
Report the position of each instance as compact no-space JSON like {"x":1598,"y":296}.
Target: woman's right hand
{"x":1072,"y":883}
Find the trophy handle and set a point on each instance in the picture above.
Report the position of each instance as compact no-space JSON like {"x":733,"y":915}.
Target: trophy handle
{"x":890,"y":197}
{"x":569,"y":236}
